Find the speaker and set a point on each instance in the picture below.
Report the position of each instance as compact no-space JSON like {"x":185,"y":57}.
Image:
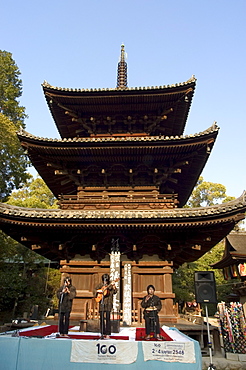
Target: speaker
{"x":205,"y":287}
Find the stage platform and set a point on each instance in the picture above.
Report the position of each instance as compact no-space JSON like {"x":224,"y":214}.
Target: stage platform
{"x":40,"y":348}
{"x":199,"y":332}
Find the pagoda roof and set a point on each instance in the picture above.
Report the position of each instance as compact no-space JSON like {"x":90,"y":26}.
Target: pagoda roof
{"x":75,"y":111}
{"x":61,"y":161}
{"x":235,"y":250}
{"x":181,"y":235}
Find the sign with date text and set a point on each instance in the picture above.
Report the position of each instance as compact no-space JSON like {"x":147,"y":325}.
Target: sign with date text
{"x":169,"y":351}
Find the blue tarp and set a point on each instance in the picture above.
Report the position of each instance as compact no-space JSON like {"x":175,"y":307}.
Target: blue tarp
{"x":22,"y":353}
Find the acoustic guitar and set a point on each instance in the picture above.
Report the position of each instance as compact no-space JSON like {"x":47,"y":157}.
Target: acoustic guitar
{"x":104,"y":291}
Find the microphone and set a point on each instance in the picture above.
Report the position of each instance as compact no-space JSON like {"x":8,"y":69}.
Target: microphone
{"x":147,"y":298}
{"x":64,"y":287}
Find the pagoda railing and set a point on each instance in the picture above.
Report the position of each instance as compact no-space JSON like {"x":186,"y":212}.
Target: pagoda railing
{"x":118,"y":200}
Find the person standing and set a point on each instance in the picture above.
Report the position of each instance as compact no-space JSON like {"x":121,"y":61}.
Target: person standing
{"x":103,"y":294}
{"x":65,"y":294}
{"x":152,"y":305}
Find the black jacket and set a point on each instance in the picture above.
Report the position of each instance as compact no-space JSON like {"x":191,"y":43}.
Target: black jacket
{"x":66,"y":299}
{"x":152,"y":301}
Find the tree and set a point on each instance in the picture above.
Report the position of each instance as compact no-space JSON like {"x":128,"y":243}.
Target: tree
{"x":20,"y":288}
{"x":13,"y":163}
{"x":204,"y":194}
{"x":25,"y":279}
{"x":33,"y":194}
{"x":11,"y":90}
{"x":183,"y":277}
{"x":207,"y":194}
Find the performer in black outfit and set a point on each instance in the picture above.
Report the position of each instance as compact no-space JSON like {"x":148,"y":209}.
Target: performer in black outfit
{"x":103,"y":294}
{"x":65,"y":294}
{"x":152,"y":305}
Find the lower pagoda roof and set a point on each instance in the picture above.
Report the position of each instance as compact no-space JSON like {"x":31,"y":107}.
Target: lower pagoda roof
{"x":178,"y":235}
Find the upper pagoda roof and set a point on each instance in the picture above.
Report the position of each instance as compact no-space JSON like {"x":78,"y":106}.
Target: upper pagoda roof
{"x":170,"y":164}
{"x":140,"y":110}
{"x":181,"y":235}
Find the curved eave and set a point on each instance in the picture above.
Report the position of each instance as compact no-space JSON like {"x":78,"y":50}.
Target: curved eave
{"x":70,"y":91}
{"x":26,"y":137}
{"x":228,"y":261}
{"x":194,"y":150}
{"x":185,"y":217}
{"x":235,"y":250}
{"x":191,"y":232}
{"x":110,"y":102}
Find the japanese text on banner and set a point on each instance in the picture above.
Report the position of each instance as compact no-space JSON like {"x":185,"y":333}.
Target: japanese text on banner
{"x":169,"y":351}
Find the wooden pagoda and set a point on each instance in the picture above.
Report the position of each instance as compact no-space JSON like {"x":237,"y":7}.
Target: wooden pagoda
{"x":122,"y":171}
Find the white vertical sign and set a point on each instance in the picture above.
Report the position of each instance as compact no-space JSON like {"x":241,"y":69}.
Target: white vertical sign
{"x":114,"y":275}
{"x":127,"y":297}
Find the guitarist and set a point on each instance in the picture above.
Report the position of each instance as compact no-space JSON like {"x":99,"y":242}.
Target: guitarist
{"x":104,"y":294}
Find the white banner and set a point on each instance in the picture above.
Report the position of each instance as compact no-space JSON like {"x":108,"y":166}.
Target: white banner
{"x":127,"y":297}
{"x":169,"y":351}
{"x":104,"y":351}
{"x":114,"y":275}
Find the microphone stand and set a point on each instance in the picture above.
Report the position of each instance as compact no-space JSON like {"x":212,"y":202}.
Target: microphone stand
{"x":102,"y":316}
{"x":153,"y":315}
{"x":60,"y":303}
{"x":102,"y":313}
{"x":155,"y":323}
{"x":211,"y":366}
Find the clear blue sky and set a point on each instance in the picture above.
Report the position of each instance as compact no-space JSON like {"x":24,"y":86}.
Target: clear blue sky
{"x":76,"y":44}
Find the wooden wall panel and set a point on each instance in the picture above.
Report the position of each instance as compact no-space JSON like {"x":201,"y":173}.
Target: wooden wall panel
{"x":86,"y":275}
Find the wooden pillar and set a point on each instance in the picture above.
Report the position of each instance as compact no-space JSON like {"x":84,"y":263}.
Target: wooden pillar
{"x":168,"y":311}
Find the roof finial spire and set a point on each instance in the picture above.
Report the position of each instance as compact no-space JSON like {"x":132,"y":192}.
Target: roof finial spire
{"x":122,"y":70}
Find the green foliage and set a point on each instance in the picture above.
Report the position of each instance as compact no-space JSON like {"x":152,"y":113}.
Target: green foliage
{"x":33,"y":194}
{"x":25,"y":279}
{"x":183,"y":282}
{"x":183,"y":277}
{"x":13,"y":163}
{"x":17,"y":275}
{"x":52,"y":283}
{"x":24,"y":276}
{"x":10,"y":90}
{"x":207,"y":194}
{"x":204,"y":194}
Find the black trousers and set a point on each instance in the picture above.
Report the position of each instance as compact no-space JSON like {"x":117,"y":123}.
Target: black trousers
{"x":64,"y":322}
{"x":105,"y":323}
{"x":152,"y":323}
